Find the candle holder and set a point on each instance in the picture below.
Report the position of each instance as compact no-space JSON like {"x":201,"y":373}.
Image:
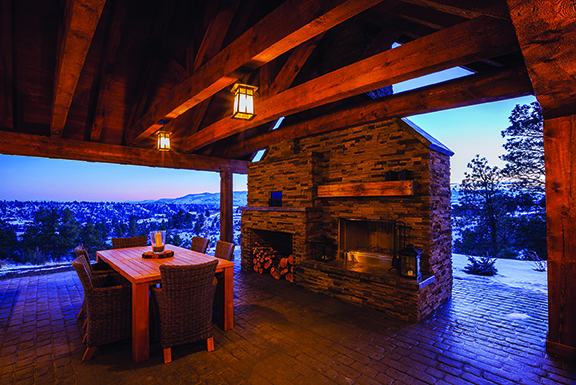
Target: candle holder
{"x":158,"y":240}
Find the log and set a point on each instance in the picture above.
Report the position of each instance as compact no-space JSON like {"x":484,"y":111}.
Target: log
{"x":290,"y":277}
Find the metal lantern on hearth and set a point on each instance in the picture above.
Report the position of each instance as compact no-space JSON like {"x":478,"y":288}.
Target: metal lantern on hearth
{"x":243,"y":101}
{"x":410,"y":262}
{"x":324,"y":248}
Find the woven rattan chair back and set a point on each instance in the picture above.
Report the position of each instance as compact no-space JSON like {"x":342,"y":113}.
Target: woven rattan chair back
{"x":184,"y":305}
{"x":199,"y":244}
{"x":224,"y":250}
{"x":109,"y":309}
{"x":122,"y":243}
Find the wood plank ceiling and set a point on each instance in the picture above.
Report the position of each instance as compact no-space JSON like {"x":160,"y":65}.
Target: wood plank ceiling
{"x":93,"y":79}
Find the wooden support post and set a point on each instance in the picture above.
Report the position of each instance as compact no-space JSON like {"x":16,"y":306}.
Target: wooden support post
{"x":559,"y":139}
{"x":226,"y":199}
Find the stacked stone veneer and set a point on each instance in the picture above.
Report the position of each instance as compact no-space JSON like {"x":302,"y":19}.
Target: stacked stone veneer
{"x":358,"y":155}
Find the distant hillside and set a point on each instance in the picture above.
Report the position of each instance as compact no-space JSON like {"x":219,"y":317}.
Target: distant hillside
{"x":209,"y":199}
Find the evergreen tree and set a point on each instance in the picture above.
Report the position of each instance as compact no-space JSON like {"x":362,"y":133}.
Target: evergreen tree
{"x":67,"y":238}
{"x":525,"y":148}
{"x":8,"y":242}
{"x":525,"y":168}
{"x":41,"y":236}
{"x":133,"y":227}
{"x":481,"y":213}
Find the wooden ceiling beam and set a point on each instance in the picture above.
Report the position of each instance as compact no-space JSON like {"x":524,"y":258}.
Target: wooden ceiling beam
{"x":547,"y":35}
{"x":289,"y":25}
{"x":293,"y":66}
{"x":465,"y":91}
{"x":461,"y":44}
{"x":150,"y":64}
{"x":6,"y":81}
{"x":467,"y":8}
{"x":81,"y":19}
{"x":107,"y":68}
{"x":215,"y":34}
{"x":59,"y":148}
{"x":216,"y":31}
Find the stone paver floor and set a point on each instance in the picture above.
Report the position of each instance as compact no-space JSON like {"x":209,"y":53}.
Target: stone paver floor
{"x":286,"y":335}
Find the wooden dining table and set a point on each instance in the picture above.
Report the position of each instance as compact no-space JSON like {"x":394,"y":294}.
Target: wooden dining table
{"x":145,"y":272}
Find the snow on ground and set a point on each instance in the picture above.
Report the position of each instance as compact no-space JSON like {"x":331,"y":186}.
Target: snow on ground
{"x":514,"y":273}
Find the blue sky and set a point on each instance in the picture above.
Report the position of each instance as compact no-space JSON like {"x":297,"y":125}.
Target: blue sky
{"x":467,"y":131}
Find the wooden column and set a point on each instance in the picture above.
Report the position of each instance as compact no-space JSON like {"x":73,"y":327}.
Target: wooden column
{"x":546,"y":31}
{"x":559,"y":139}
{"x":226,"y":198}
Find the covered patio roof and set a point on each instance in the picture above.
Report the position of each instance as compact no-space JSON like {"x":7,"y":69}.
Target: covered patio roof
{"x":94,"y":80}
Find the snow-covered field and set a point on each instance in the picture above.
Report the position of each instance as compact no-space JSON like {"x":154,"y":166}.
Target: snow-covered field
{"x":513,"y":273}
{"x":519,"y":274}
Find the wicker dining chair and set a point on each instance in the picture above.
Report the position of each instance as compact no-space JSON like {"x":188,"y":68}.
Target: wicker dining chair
{"x":94,"y":269}
{"x":199,"y":244}
{"x":108,"y":306}
{"x":224,"y":250}
{"x":122,"y":243}
{"x":183,"y":306}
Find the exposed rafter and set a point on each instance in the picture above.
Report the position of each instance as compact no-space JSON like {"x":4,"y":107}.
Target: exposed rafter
{"x":466,"y":91}
{"x":289,"y":25}
{"x":107,"y":68}
{"x":81,"y":20}
{"x":467,"y":8}
{"x":59,"y":148}
{"x":473,"y":40}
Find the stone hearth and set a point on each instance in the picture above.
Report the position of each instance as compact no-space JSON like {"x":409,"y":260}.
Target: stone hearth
{"x":352,"y":175}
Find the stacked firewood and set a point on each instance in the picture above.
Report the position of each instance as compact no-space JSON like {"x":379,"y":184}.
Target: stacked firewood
{"x":266,"y":259}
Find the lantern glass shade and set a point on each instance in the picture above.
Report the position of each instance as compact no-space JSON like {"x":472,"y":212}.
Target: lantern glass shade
{"x":243,"y":101}
{"x":163,"y":141}
{"x":410,"y":262}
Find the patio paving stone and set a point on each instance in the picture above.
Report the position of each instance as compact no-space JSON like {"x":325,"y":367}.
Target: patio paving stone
{"x":286,"y":335}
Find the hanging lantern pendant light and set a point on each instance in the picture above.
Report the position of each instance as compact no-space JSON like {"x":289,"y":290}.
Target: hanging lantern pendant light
{"x":243,"y":101}
{"x":163,"y":141}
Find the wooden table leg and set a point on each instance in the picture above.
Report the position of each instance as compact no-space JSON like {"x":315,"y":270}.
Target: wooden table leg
{"x":140,"y":322}
{"x":228,"y":298}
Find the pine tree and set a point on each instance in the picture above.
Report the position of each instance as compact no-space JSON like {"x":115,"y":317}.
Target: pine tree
{"x":481,"y":213}
{"x":8,"y":242}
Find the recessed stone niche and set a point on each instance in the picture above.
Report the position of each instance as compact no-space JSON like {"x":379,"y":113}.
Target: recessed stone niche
{"x":356,"y":171}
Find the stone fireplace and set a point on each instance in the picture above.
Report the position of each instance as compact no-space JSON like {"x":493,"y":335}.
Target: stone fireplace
{"x":370,"y":191}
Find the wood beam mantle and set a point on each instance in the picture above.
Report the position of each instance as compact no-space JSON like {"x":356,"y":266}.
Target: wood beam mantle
{"x":81,"y":20}
{"x":465,"y":91}
{"x":58,"y":148}
{"x":289,"y":25}
{"x":461,"y":44}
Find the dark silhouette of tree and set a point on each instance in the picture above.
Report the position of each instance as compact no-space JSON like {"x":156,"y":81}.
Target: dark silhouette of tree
{"x":481,"y":213}
{"x":92,"y":238}
{"x":8,"y":242}
{"x":525,"y":148}
{"x":67,"y":237}
{"x":525,"y":169}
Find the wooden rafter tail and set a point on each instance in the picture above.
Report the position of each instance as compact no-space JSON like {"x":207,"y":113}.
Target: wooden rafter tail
{"x":289,"y":25}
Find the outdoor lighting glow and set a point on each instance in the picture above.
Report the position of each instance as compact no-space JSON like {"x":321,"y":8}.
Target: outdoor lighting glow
{"x":243,"y":101}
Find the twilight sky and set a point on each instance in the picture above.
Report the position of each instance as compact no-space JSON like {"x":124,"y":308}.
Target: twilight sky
{"x":467,"y":131}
